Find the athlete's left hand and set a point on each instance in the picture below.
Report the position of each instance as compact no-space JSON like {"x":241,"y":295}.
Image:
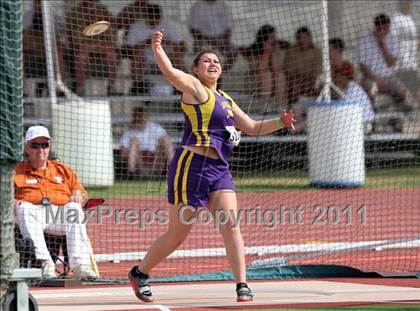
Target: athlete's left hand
{"x":288,"y":119}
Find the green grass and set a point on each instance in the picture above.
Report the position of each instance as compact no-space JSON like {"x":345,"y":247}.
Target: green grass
{"x":298,"y":180}
{"x":391,"y":178}
{"x":363,"y":308}
{"x":130,"y":189}
{"x":287,"y":181}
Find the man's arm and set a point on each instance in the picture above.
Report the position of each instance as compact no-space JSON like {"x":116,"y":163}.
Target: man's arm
{"x":79,"y":196}
{"x":390,"y":59}
{"x":78,"y":193}
{"x":367,"y":71}
{"x":125,"y":143}
{"x":165,"y":145}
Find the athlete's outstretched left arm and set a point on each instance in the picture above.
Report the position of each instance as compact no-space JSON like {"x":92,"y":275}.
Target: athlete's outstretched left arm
{"x":262,"y":127}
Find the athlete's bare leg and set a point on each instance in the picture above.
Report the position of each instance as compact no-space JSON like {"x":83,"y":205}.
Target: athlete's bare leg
{"x":225,"y":200}
{"x":167,"y":243}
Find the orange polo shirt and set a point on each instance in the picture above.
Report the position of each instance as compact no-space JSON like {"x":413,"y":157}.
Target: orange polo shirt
{"x":56,"y":183}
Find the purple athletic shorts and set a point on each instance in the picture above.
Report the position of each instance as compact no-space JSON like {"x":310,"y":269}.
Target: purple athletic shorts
{"x":192,"y":177}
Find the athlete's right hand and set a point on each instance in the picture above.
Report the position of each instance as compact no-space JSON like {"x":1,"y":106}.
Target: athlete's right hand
{"x":157,"y":38}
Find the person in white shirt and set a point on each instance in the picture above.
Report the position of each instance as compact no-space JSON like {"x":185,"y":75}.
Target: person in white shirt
{"x":343,"y":78}
{"x":145,"y":146}
{"x":138,"y":39}
{"x":376,"y":55}
{"x":34,"y":61}
{"x":404,"y":32}
{"x":211,"y":23}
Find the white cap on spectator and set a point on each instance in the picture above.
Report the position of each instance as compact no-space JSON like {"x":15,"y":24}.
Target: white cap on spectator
{"x":35,"y":132}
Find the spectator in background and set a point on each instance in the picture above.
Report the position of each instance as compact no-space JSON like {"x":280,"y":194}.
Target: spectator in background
{"x":343,"y":77}
{"x":135,"y":11}
{"x":41,"y":185}
{"x":336,"y":51}
{"x":138,"y":40}
{"x":210,"y":23}
{"x":145,"y":146}
{"x":33,"y":41}
{"x":86,"y":12}
{"x":302,"y":66}
{"x":130,"y":14}
{"x":404,"y":32}
{"x":343,"y":74}
{"x":265,"y":58}
{"x":376,"y":56}
{"x":337,"y":57}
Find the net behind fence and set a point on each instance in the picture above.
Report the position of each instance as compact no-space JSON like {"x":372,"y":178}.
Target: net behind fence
{"x":342,"y":189}
{"x":10,"y":130}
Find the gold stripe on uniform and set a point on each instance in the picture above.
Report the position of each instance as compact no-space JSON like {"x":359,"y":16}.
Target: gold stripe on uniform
{"x":192,"y":116}
{"x":207,"y":110}
{"x":228,"y":97}
{"x":184,"y":179}
{"x":178,"y":170}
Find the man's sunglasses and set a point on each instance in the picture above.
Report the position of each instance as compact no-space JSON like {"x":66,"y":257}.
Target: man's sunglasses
{"x":39,"y":145}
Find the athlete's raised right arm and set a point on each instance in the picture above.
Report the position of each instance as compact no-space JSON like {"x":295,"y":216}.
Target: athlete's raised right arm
{"x":183,"y":82}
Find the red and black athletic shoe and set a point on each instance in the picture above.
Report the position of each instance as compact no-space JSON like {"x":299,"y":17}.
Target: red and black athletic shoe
{"x":244,"y":293}
{"x":140,"y":286}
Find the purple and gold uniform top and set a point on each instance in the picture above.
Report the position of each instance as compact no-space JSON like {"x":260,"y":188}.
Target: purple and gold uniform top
{"x":210,"y":124}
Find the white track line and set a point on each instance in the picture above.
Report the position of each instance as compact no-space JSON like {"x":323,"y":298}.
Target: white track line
{"x":160,"y":307}
{"x":270,"y":249}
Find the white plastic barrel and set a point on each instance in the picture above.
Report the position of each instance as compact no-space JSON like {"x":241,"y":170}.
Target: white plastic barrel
{"x":83,"y":140}
{"x":336,"y":144}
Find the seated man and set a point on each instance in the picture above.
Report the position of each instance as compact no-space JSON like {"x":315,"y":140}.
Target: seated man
{"x":145,"y":146}
{"x":131,"y":13}
{"x":82,"y":14}
{"x":265,"y":62}
{"x":337,"y":50}
{"x":138,"y":40}
{"x":211,"y":24}
{"x":41,"y":186}
{"x":302,"y":67}
{"x":403,"y":31}
{"x":34,"y":62}
{"x":343,"y":77}
{"x":376,"y":52}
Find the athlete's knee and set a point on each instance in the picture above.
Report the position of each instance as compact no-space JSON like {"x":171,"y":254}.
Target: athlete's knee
{"x":187,"y":215}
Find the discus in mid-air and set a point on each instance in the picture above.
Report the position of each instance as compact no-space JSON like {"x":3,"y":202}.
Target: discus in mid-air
{"x":96,"y":28}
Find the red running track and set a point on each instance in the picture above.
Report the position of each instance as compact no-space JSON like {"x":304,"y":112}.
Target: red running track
{"x":302,"y":217}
